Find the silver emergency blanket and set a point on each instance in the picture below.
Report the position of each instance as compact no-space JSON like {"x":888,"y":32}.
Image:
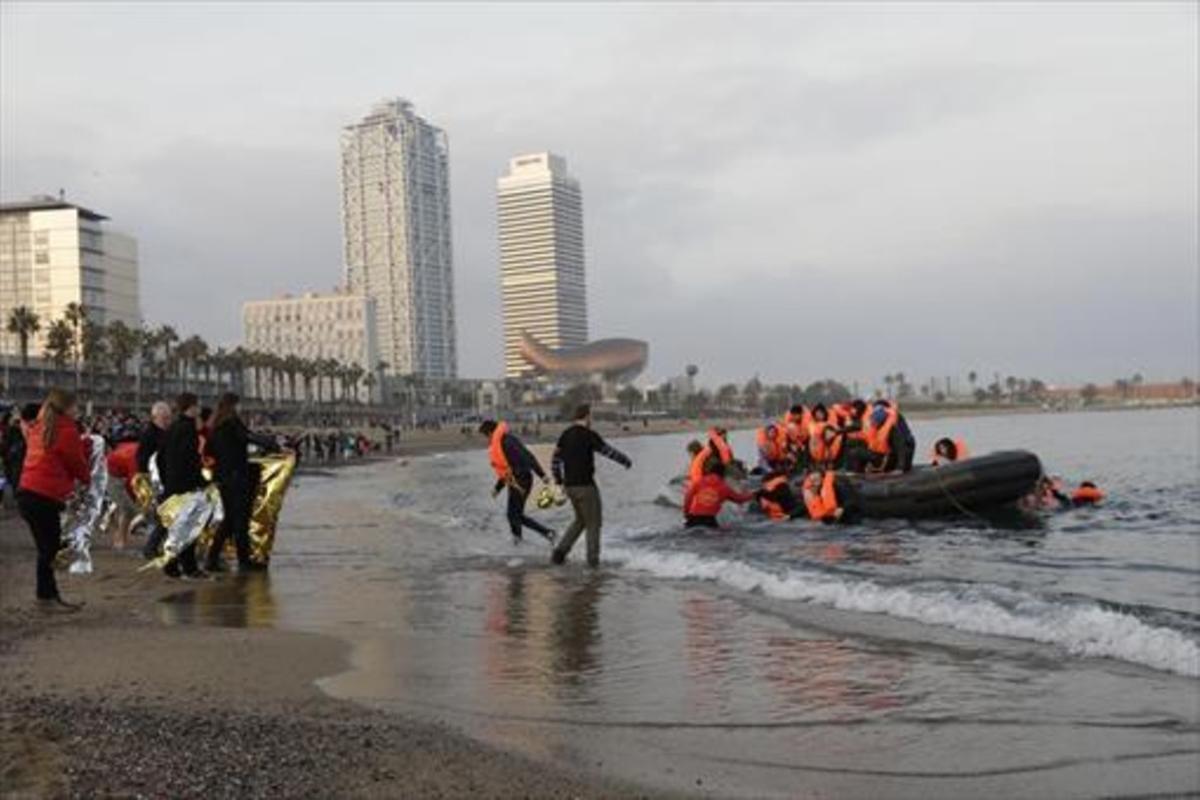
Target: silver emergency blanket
{"x":186,"y":516}
{"x":88,"y":511}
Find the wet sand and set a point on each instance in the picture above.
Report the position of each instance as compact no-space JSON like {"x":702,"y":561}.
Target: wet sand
{"x":113,"y":702}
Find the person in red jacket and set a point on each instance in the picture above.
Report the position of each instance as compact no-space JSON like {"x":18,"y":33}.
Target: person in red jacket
{"x":705,"y":497}
{"x":54,"y":462}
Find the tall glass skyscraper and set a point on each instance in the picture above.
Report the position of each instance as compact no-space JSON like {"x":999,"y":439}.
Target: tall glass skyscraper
{"x":396,"y":226}
{"x":541,"y":257}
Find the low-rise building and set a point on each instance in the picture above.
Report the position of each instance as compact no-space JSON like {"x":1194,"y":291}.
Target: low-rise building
{"x":338,"y":326}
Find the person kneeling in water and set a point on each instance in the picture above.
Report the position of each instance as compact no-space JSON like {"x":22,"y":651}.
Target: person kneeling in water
{"x":706,"y":496}
{"x":1088,"y":494}
{"x":514,"y":466}
{"x":776,"y":498}
{"x":820,"y":497}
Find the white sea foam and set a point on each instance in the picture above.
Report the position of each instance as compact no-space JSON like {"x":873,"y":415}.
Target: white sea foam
{"x":1080,"y":629}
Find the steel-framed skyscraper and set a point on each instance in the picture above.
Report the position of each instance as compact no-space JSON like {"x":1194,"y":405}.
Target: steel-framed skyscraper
{"x":396,"y":228}
{"x":541,"y":257}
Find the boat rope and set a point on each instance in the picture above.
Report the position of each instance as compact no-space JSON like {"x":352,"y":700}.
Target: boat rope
{"x":954,"y":500}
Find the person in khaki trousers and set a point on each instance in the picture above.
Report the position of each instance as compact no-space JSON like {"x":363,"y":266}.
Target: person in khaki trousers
{"x":574,"y":468}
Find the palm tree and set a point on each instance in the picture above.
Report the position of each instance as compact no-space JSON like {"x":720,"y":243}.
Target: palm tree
{"x":122,"y":345}
{"x":238,"y":362}
{"x":1011,"y":384}
{"x":330,"y":369}
{"x":75,"y":316}
{"x":381,"y":367}
{"x":1136,"y":382}
{"x":291,"y":367}
{"x":354,"y":374}
{"x":219,"y":363}
{"x":94,"y":349}
{"x":23,"y":322}
{"x":147,"y":343}
{"x":369,"y":382}
{"x":190,"y":353}
{"x":888,"y":380}
{"x":308,"y":370}
{"x":60,"y":343}
{"x":165,"y":337}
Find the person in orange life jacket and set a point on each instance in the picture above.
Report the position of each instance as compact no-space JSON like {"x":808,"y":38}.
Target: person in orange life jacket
{"x":776,"y":498}
{"x":772,"y":447}
{"x":1088,"y":494}
{"x":889,"y":438}
{"x":824,"y":438}
{"x":718,"y":442}
{"x":1048,"y":493}
{"x":514,"y":466}
{"x":819,"y":491}
{"x":795,"y":424}
{"x":704,"y":499}
{"x":946,"y":451}
{"x":698,"y":456}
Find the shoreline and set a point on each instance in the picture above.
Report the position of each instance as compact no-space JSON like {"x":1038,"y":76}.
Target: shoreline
{"x":424,"y":443}
{"x":113,"y":700}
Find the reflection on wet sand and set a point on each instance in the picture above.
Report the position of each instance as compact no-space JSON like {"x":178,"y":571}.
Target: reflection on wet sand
{"x":830,"y":674}
{"x":542,"y":629}
{"x":239,"y":601}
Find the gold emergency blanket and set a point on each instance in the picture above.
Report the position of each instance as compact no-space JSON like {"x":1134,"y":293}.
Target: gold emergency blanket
{"x":143,"y":491}
{"x":275,"y":476}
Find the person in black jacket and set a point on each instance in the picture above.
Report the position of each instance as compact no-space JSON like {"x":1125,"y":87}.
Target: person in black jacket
{"x":574,"y":467}
{"x":14,"y":444}
{"x":521,"y":466}
{"x":179,"y":468}
{"x":149,"y":443}
{"x":228,"y":444}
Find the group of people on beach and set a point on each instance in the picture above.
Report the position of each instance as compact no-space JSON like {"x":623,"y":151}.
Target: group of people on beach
{"x":48,"y":451}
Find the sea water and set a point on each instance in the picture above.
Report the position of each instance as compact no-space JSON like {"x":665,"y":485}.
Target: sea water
{"x":1055,"y":657}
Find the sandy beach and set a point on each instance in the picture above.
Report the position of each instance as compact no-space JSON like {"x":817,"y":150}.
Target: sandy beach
{"x":112,"y":702}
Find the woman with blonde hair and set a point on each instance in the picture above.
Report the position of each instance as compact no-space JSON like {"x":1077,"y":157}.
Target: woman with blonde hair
{"x":54,"y":462}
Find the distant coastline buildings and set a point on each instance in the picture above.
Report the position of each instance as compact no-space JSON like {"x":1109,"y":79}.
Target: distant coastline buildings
{"x":543,"y":287}
{"x":395,"y":183}
{"x":54,"y":253}
{"x":338,"y":326}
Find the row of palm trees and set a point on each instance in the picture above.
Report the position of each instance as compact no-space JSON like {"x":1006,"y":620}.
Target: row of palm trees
{"x":161,"y":355}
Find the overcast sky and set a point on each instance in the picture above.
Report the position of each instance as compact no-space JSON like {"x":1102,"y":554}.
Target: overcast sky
{"x":797,"y":191}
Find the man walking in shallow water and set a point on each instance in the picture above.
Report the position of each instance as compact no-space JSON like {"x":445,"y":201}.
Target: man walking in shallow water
{"x":574,"y":467}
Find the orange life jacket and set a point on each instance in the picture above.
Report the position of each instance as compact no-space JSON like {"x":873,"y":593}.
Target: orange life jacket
{"x":696,"y":468}
{"x":1086,"y":495}
{"x":877,"y":437}
{"x":796,"y":427}
{"x":772,"y":509}
{"x":772,"y":448}
{"x":960,"y":453}
{"x":820,"y":496}
{"x":496,"y":453}
{"x":819,"y":450}
{"x":717,"y":442}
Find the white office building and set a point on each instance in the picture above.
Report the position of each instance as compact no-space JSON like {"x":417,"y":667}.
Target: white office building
{"x":338,"y":326}
{"x":54,"y":253}
{"x":396,"y":226}
{"x":541,"y":257}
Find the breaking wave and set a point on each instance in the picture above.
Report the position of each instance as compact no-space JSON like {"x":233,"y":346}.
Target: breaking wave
{"x":1082,"y":629}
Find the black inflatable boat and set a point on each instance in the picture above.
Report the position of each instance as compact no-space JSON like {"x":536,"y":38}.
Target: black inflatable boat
{"x":972,"y":486}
